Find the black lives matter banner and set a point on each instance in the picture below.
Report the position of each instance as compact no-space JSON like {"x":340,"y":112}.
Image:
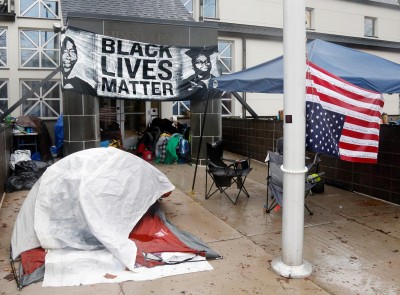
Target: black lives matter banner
{"x":118,"y":68}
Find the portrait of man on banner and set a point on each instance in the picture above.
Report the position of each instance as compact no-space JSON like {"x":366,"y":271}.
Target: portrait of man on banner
{"x":74,"y":76}
{"x":113,"y":67}
{"x":203,"y":67}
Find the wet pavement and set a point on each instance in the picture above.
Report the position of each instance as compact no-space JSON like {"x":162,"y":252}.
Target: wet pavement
{"x":352,"y":242}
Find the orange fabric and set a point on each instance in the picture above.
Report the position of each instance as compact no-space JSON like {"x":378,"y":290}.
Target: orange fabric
{"x":32,"y":260}
{"x":151,"y":235}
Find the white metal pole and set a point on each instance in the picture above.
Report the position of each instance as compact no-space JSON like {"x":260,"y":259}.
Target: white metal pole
{"x":291,"y":264}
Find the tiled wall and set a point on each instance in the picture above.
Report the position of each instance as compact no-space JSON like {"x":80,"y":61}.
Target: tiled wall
{"x":250,"y":137}
{"x":5,"y":148}
{"x":212,"y":127}
{"x":381,"y":180}
{"x":81,"y":122}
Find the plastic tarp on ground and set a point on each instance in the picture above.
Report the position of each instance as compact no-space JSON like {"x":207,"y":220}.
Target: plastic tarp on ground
{"x":82,"y":211}
{"x":365,"y":70}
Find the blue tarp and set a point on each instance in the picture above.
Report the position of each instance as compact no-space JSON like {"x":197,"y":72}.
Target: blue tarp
{"x":362,"y":69}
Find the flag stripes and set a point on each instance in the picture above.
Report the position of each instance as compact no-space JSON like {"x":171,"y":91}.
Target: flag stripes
{"x":343,"y":120}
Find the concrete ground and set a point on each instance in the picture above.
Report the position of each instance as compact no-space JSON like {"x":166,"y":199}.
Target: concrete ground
{"x":352,"y":242}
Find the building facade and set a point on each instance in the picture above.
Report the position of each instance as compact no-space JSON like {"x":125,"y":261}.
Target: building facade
{"x":249,"y":32}
{"x":29,"y":51}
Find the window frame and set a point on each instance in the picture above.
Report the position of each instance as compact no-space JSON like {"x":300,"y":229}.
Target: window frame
{"x":39,"y":3}
{"x":4,"y":83}
{"x":226,"y":98}
{"x":188,"y":3}
{"x":373,"y":25}
{"x":41,"y":98}
{"x":309,"y":18}
{"x":215,"y":12}
{"x":39,"y":49}
{"x":182,"y":107}
{"x":4,"y":31}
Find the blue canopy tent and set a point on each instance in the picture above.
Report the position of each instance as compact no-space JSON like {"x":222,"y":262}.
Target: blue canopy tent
{"x":359,"y":68}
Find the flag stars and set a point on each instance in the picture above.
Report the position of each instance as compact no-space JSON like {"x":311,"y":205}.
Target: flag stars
{"x":324,"y":127}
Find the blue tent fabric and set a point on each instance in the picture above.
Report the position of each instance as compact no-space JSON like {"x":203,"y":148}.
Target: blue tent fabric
{"x":359,"y":68}
{"x":263,"y":78}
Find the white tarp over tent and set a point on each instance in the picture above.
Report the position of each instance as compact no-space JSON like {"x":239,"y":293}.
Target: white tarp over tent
{"x":90,"y":201}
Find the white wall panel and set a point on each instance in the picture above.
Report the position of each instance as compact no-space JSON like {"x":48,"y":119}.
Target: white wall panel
{"x":252,"y":12}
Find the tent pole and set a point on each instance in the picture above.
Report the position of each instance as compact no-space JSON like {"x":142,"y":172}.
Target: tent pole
{"x":245,"y":104}
{"x":200,"y":141}
{"x":291,"y":264}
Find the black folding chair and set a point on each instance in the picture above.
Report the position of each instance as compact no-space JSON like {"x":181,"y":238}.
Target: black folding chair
{"x":224,"y":172}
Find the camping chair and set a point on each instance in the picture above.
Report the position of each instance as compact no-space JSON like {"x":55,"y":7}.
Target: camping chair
{"x":311,"y":166}
{"x":275,"y":180}
{"x":225,"y":173}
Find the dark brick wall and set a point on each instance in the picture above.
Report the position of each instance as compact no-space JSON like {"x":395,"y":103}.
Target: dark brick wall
{"x":5,"y":152}
{"x":381,"y":180}
{"x":251,"y":137}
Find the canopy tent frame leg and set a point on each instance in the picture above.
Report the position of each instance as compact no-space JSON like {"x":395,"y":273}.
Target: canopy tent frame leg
{"x":201,"y":139}
{"x":245,"y":105}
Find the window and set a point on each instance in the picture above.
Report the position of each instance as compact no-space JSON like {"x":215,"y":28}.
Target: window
{"x":225,"y":57}
{"x":181,"y":108}
{"x":189,"y":5}
{"x":3,"y":96}
{"x":210,"y":8}
{"x":309,"y":18}
{"x":369,"y":26}
{"x":45,"y":102}
{"x":3,"y":48}
{"x":39,"y":8}
{"x":39,"y":49}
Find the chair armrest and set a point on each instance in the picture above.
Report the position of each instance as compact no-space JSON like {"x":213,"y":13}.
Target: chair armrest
{"x":212,"y":164}
{"x":229,"y":160}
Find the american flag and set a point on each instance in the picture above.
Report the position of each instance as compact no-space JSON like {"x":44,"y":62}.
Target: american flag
{"x":342,"y":119}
